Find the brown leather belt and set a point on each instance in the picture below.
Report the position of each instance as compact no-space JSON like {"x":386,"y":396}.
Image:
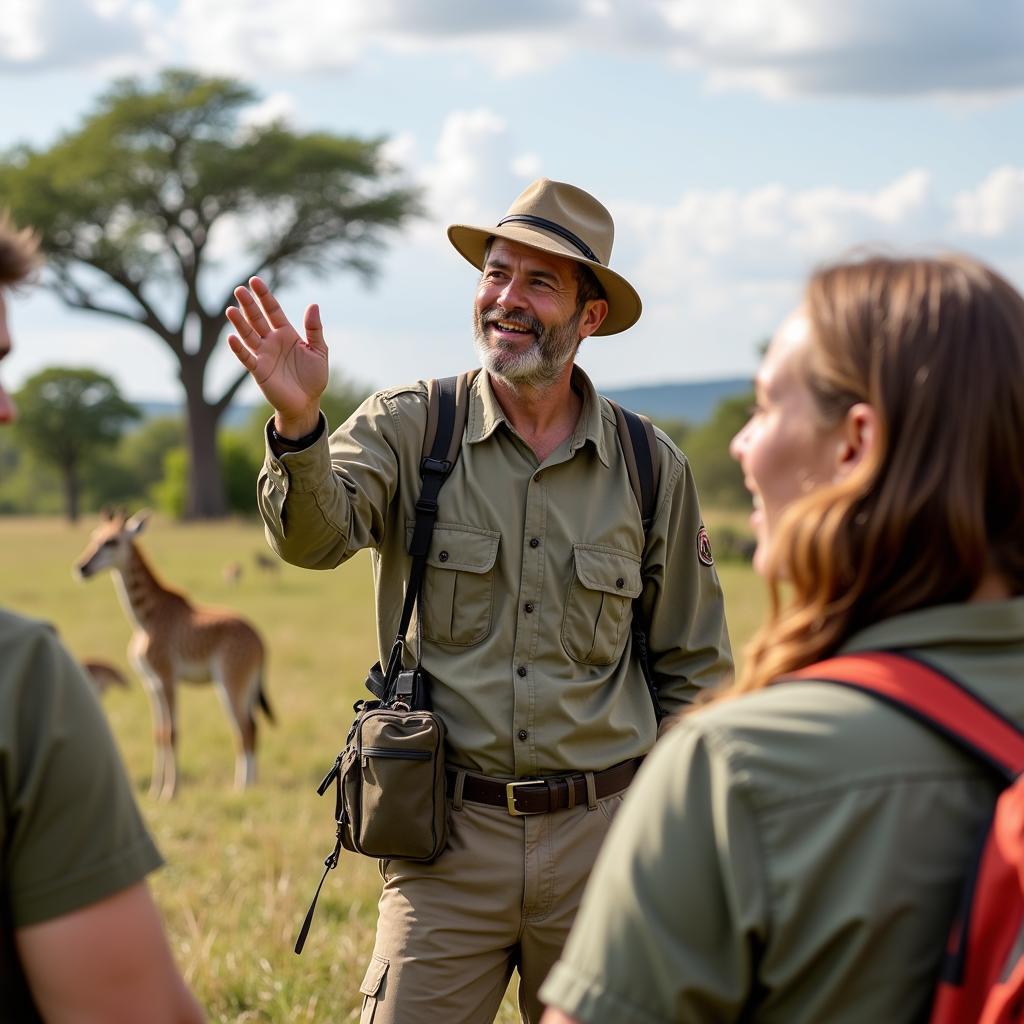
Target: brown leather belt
{"x":538,"y":796}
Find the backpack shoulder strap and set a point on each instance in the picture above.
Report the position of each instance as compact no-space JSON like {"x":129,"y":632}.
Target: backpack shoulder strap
{"x":928,"y":694}
{"x":640,"y":450}
{"x":447,"y":411}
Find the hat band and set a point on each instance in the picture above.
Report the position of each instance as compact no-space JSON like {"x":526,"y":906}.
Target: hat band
{"x":550,"y":225}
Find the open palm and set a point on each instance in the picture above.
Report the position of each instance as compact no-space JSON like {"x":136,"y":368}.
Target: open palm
{"x":290,"y":370}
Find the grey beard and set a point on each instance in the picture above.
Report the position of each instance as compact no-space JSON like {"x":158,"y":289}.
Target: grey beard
{"x":537,"y":368}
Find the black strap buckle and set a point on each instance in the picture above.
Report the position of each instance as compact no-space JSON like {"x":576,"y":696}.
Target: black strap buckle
{"x":442,"y":467}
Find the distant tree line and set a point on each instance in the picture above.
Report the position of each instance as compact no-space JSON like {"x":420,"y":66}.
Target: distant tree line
{"x":77,"y":446}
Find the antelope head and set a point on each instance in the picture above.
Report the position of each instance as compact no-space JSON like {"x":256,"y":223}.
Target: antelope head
{"x":110,"y":543}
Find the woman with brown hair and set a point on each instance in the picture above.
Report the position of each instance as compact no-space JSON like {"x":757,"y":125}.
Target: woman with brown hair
{"x":795,"y":852}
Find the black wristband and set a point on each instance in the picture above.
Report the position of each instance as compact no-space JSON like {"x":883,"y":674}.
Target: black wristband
{"x":287,"y":444}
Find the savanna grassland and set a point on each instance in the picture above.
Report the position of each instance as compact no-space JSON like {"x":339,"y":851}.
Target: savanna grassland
{"x":241,"y":868}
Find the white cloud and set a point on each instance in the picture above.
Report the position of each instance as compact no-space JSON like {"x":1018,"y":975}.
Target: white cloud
{"x":45,"y":34}
{"x":278,"y":107}
{"x":775,"y":47}
{"x":476,"y":170}
{"x":995,"y":208}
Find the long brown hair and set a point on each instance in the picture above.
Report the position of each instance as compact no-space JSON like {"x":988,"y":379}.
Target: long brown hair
{"x":936,"y":348}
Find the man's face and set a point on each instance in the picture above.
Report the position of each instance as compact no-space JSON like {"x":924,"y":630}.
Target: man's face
{"x":6,"y":403}
{"x":526,"y":323}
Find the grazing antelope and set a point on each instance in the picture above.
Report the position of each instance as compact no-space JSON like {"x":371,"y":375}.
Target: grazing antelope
{"x":103,"y":675}
{"x":176,"y":641}
{"x":232,"y":573}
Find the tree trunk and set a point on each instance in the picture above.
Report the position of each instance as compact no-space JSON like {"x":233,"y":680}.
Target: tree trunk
{"x":207,"y":498}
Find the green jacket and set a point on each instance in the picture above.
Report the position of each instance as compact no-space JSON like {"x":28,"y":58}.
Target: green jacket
{"x":795,"y":855}
{"x":527,"y":599}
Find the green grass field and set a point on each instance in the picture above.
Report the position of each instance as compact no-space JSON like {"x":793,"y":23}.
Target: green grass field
{"x":241,"y":868}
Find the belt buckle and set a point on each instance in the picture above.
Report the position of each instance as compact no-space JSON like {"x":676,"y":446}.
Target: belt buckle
{"x":510,"y":796}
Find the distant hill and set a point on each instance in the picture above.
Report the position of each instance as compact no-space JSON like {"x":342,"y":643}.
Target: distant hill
{"x":690,"y":400}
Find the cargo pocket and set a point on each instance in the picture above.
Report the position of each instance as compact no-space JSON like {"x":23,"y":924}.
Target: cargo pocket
{"x":597,"y":608}
{"x":371,"y":988}
{"x":458,"y":585}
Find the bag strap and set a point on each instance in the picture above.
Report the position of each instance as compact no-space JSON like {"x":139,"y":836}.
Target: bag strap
{"x":447,"y":411}
{"x":640,"y":452}
{"x":928,"y":694}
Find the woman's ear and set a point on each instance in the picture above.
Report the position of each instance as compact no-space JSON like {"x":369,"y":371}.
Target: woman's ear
{"x":858,"y":436}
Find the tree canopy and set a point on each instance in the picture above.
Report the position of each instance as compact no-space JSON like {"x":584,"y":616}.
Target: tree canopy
{"x":131,"y":206}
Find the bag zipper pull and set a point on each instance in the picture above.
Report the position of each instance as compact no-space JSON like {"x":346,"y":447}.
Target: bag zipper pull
{"x":330,"y":776}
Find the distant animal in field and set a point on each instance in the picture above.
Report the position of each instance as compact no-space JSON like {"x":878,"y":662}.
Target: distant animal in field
{"x":232,"y":573}
{"x":266,"y":563}
{"x":175,"y":641}
{"x":103,"y":675}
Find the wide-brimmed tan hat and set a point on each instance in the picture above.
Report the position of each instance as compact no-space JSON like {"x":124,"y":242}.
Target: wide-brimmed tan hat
{"x":562,"y":220}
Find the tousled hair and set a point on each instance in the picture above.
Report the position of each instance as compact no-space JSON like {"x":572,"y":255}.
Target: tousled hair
{"x":19,"y":253}
{"x":936,"y":348}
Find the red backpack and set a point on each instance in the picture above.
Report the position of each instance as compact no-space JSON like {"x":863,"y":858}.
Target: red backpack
{"x":982,"y":978}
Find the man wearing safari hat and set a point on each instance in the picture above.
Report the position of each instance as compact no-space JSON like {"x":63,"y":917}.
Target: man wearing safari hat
{"x":538,"y":555}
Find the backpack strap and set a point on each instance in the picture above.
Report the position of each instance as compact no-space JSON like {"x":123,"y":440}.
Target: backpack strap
{"x":926,"y":693}
{"x":640,"y":450}
{"x":447,"y":411}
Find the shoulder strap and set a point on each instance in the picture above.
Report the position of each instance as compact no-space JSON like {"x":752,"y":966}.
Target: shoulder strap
{"x":447,"y":411}
{"x":928,"y":694}
{"x":640,"y":450}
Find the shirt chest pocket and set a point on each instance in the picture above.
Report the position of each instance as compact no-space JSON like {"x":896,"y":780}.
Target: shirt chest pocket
{"x":458,"y":585}
{"x":598,"y":609}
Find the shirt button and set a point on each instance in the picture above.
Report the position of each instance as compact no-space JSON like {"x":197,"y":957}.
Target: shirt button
{"x":443,"y":556}
{"x":534,"y":542}
{"x":523,"y":734}
{"x":620,"y":582}
{"x":528,"y":607}
{"x":521,"y":671}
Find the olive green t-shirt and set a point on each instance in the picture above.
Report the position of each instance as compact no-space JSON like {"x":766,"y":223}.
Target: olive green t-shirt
{"x":795,"y":855}
{"x":530,"y":578}
{"x":70,"y":831}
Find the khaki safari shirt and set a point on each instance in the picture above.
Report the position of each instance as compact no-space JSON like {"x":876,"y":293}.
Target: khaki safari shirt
{"x":70,"y":832}
{"x":797,"y":854}
{"x":531,"y":574}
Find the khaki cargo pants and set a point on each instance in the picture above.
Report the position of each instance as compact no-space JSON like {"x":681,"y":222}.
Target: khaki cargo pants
{"x":502,"y":896}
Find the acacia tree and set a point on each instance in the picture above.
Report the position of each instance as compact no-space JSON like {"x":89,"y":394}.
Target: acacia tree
{"x":127,"y":204}
{"x":65,"y":416}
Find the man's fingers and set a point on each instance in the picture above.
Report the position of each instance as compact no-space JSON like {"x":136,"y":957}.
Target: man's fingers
{"x":314,"y":328}
{"x":270,"y":305}
{"x":251,"y":311}
{"x":241,"y":324}
{"x":245,"y":357}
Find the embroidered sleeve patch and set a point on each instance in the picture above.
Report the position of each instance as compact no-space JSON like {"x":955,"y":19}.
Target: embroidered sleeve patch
{"x":704,"y":547}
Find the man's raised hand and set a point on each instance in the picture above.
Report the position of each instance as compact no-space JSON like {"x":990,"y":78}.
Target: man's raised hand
{"x":291,"y":372}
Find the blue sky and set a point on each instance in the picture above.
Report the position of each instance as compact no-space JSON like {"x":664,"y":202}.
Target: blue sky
{"x":736,"y":142}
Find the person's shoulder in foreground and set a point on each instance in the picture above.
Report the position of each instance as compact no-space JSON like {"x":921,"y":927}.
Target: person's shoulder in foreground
{"x":88,"y":939}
